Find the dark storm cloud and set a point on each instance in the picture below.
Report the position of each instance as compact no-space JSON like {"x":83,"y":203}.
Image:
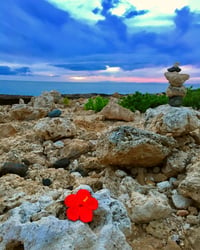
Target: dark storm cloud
{"x":39,"y":32}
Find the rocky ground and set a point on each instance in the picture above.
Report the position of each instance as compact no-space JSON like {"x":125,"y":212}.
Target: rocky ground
{"x":144,"y":170}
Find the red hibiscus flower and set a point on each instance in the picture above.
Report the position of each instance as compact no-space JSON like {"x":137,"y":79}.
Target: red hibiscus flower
{"x":80,"y":206}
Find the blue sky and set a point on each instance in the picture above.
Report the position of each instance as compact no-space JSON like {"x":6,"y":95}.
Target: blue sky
{"x":98,"y":40}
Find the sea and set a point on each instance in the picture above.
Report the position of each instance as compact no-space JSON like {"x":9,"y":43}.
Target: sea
{"x":35,"y":88}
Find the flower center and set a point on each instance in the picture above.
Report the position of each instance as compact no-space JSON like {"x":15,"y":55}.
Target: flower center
{"x":86,"y":198}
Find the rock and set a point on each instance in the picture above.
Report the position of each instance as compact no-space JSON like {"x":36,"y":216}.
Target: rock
{"x":175,"y":68}
{"x":175,"y":101}
{"x":74,"y":148}
{"x":192,"y":238}
{"x":24,"y":112}
{"x":14,"y":168}
{"x":171,"y":245}
{"x":54,"y":113}
{"x":7,"y":130}
{"x":128,"y":146}
{"x":45,"y":100}
{"x":190,"y":186}
{"x":175,"y":163}
{"x":164,"y":185}
{"x":182,"y":213}
{"x":193,"y":220}
{"x":59,"y":177}
{"x":145,"y":208}
{"x":175,"y":79}
{"x":180,"y":201}
{"x":108,"y":230}
{"x":62,"y":163}
{"x":46,"y":182}
{"x":54,"y":129}
{"x":15,"y":190}
{"x":176,"y":121}
{"x":176,"y":92}
{"x":158,"y":229}
{"x":113,"y":111}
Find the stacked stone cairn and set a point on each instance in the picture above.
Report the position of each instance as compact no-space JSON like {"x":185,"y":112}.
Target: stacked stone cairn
{"x":176,"y":91}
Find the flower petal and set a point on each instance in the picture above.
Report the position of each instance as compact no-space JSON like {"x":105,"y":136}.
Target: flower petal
{"x":91,"y":203}
{"x":71,"y":200}
{"x":82,"y":194}
{"x":72,"y":214}
{"x":85,"y":214}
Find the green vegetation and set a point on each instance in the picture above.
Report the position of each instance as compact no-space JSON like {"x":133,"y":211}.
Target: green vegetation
{"x":96,"y":104}
{"x":66,"y":101}
{"x":192,"y":98}
{"x":142,"y":102}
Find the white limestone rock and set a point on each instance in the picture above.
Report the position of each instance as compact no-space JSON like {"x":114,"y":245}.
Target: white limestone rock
{"x":176,"y":121}
{"x":108,"y":230}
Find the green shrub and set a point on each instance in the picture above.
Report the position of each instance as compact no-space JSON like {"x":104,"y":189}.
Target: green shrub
{"x":66,"y":101}
{"x":192,"y":98}
{"x":96,"y":104}
{"x":142,"y":102}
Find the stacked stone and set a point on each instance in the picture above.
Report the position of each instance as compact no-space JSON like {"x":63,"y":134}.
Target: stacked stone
{"x":176,"y":91}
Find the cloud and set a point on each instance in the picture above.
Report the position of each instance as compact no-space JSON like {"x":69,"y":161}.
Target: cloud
{"x":55,"y":38}
{"x":6,"y":70}
{"x":84,"y":10}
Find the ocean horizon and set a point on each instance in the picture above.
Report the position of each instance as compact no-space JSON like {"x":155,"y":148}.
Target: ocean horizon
{"x":35,"y":88}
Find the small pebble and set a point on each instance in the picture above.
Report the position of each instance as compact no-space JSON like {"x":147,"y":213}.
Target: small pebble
{"x":182,"y":213}
{"x":120,"y":173}
{"x":164,"y":185}
{"x":59,"y":144}
{"x":46,"y":182}
{"x":14,"y":168}
{"x":54,"y":113}
{"x":62,"y":163}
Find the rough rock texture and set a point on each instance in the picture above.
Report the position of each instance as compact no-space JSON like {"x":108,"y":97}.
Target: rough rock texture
{"x":180,"y":201}
{"x":193,"y":239}
{"x":175,"y":79}
{"x":30,"y":204}
{"x":176,"y":163}
{"x":109,"y":229}
{"x":190,"y":186}
{"x":176,"y":121}
{"x":145,"y":208}
{"x":176,"y":91}
{"x":128,"y":146}
{"x":54,"y":129}
{"x":25,"y":112}
{"x":46,"y":100}
{"x":7,"y":130}
{"x":113,"y":111}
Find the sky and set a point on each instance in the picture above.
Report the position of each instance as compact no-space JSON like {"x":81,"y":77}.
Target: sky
{"x":98,"y":40}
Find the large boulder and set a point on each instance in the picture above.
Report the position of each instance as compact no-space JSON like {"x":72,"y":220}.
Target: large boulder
{"x":132,"y":147}
{"x":54,"y":128}
{"x":113,"y":111}
{"x":190,"y":186}
{"x":24,"y":228}
{"x":174,"y":120}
